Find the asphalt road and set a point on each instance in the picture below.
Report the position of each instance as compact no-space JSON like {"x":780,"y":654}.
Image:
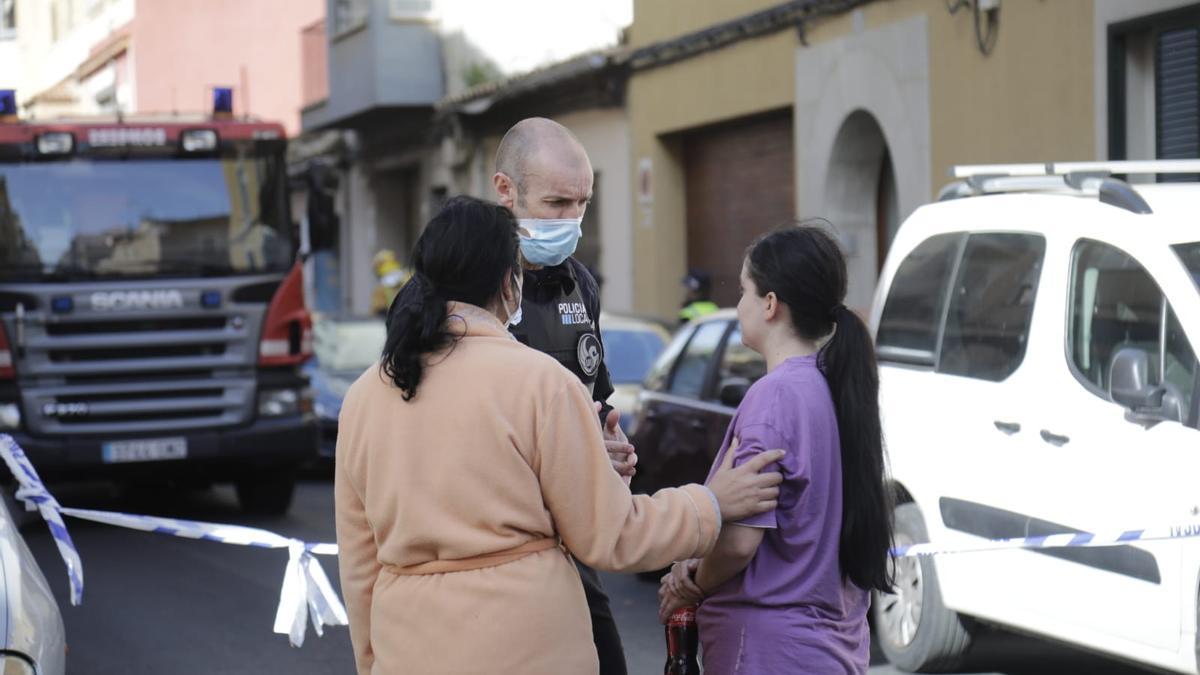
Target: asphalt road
{"x":157,"y":604}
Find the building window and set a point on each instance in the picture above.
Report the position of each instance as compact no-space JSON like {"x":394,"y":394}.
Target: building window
{"x":349,"y":15}
{"x":1154,"y":87}
{"x":8,"y":19}
{"x":410,"y":9}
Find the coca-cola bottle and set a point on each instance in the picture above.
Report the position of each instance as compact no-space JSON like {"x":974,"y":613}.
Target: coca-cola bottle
{"x":682,"y":643}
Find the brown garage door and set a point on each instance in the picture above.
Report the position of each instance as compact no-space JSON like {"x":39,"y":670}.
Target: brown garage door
{"x":739,"y":184}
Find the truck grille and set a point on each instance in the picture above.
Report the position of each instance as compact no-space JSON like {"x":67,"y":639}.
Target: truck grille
{"x":123,"y":373}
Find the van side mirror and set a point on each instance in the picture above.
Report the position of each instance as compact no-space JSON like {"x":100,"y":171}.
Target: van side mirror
{"x":1129,"y":381}
{"x":733,"y":390}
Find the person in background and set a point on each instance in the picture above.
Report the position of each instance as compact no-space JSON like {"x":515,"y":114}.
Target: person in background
{"x":392,"y":277}
{"x":697,"y":301}
{"x":787,"y":591}
{"x":544,"y":175}
{"x":471,"y":469}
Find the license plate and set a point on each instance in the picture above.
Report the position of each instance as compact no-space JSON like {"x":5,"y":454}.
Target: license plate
{"x":144,"y":450}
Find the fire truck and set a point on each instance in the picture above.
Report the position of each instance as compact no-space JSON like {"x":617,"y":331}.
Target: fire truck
{"x":152,"y":313}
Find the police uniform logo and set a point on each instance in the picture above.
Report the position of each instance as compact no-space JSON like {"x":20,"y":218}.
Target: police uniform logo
{"x":588,"y":353}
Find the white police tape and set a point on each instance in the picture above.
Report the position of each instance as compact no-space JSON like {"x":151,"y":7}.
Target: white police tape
{"x":1063,"y":540}
{"x":306,"y":592}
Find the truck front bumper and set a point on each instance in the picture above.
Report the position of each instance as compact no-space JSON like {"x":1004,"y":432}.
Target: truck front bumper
{"x":211,"y":454}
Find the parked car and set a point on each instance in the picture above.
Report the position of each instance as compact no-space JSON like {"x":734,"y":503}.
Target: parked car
{"x":1036,"y":336}
{"x":32,"y":637}
{"x":688,"y":400}
{"x":343,"y":348}
{"x":630,"y":347}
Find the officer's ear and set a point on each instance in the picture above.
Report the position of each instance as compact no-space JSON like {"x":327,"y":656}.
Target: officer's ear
{"x":506,"y":189}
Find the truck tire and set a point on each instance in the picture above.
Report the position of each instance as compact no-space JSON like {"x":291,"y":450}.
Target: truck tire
{"x":916,"y":632}
{"x":267,"y":493}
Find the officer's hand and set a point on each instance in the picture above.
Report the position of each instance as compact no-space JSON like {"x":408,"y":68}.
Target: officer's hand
{"x":620,"y":452}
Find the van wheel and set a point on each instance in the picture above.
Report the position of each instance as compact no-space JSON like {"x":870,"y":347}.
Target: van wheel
{"x":267,"y":493}
{"x":915,"y":630}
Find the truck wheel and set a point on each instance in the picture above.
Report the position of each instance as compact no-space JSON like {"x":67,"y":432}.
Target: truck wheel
{"x":915,"y":630}
{"x":267,"y":493}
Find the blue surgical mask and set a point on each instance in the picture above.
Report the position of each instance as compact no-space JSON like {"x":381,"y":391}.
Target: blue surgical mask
{"x":550,"y":241}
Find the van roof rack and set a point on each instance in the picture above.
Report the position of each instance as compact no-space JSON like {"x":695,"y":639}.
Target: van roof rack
{"x":1090,"y":178}
{"x":1115,"y":167}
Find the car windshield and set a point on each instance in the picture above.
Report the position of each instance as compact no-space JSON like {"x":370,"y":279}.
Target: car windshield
{"x":101,"y":217}
{"x":348,"y":345}
{"x":629,"y":353}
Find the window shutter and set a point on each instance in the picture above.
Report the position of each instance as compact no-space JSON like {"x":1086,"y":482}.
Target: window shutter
{"x":1178,"y":95}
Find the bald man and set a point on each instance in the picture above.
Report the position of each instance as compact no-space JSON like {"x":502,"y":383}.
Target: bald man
{"x":543,"y":174}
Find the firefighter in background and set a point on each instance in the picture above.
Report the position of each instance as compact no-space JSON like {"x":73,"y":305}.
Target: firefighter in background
{"x":697,"y":303}
{"x":392,"y":277}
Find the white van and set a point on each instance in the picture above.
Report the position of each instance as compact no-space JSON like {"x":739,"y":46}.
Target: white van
{"x":1036,"y":331}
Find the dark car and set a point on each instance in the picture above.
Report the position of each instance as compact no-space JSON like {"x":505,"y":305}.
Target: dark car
{"x":688,"y":400}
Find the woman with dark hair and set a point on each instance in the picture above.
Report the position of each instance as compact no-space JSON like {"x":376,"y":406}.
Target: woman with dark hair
{"x":787,"y":591}
{"x":470,"y":467}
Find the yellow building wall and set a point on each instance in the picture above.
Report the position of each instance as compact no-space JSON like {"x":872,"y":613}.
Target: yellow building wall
{"x":749,"y":77}
{"x":1031,"y":99}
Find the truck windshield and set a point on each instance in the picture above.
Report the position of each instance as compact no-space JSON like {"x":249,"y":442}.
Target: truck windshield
{"x":95,"y":217}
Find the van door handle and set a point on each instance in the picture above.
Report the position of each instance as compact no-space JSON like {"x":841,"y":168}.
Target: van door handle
{"x":1009,"y":428}
{"x":1055,"y":439}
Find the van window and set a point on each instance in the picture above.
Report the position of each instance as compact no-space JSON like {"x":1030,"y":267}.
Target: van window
{"x":991,"y":303}
{"x":912,"y":314}
{"x":1116,"y":304}
{"x":690,"y":372}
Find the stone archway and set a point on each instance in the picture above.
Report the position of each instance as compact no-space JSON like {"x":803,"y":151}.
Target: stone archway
{"x":860,"y":193}
{"x":863,"y":140}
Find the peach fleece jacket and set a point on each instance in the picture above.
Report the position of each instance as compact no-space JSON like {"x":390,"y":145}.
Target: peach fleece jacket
{"x":501,"y":447}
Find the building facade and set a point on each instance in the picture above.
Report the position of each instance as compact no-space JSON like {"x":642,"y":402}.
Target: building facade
{"x":745,"y":115}
{"x":80,"y":57}
{"x":408,"y":122}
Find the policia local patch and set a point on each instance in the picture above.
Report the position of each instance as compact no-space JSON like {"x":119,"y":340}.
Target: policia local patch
{"x":588,"y":353}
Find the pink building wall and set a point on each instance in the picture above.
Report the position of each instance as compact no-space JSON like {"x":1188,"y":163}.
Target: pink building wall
{"x":183,"y":48}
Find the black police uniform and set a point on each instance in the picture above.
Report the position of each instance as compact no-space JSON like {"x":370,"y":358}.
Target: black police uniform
{"x":560,"y":315}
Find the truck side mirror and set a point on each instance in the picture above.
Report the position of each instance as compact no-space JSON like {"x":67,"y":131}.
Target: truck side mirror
{"x":733,"y":390}
{"x":1129,"y":380}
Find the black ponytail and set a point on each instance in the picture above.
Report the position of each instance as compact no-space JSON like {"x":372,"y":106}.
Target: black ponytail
{"x":805,"y":269}
{"x":464,"y":254}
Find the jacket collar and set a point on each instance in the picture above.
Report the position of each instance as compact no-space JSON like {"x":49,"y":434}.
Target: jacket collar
{"x":477,"y":321}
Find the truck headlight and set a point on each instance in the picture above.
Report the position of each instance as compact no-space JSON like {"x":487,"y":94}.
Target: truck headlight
{"x":10,"y":418}
{"x":282,"y":402}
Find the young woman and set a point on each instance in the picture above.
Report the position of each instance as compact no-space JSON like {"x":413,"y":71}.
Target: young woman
{"x":469,"y":465}
{"x":787,"y":591}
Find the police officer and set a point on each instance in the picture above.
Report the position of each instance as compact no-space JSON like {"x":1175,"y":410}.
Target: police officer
{"x":543,"y":174}
{"x":697,"y":302}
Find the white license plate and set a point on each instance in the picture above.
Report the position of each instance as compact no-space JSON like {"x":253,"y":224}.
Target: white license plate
{"x":145,"y":450}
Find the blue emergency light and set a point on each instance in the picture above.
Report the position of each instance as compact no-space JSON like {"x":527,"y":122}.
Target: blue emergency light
{"x":62,"y":304}
{"x":8,"y":102}
{"x":223,"y":100}
{"x":210,"y":299}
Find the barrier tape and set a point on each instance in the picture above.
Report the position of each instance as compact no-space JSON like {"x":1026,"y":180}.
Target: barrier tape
{"x":306,"y":593}
{"x":1064,"y":540}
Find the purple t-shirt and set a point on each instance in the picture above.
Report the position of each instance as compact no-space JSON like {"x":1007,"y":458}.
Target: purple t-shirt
{"x":789,"y":611}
